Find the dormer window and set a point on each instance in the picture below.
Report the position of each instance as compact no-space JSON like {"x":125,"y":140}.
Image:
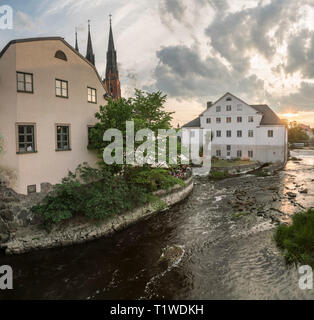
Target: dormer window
{"x":61,"y":55}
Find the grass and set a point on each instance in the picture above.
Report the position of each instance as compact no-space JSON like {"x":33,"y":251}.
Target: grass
{"x":239,"y":215}
{"x":221,"y":163}
{"x":297,"y":239}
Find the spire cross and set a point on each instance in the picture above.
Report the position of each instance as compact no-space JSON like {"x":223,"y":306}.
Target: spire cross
{"x":110,"y":16}
{"x":88,"y":24}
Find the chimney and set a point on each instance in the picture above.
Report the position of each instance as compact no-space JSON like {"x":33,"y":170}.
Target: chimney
{"x":209,"y":104}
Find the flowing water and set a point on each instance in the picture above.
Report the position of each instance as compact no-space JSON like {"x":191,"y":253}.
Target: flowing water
{"x":207,"y":254}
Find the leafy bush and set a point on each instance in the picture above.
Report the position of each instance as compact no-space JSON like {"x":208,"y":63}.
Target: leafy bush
{"x":152,"y":179}
{"x":98,"y":194}
{"x":297,"y":240}
{"x":218,"y":175}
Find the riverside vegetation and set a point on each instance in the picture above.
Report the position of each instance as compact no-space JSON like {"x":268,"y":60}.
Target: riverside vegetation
{"x":99,"y":193}
{"x":297,"y":239}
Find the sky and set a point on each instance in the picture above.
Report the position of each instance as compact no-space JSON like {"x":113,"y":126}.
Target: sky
{"x":192,"y":50}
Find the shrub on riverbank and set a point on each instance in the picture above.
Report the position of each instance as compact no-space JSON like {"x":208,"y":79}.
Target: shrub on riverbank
{"x":297,"y":240}
{"x":98,"y":194}
{"x":218,"y":175}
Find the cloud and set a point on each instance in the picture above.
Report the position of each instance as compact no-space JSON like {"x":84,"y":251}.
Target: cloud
{"x":301,"y":54}
{"x":23,"y":22}
{"x":261,"y":29}
{"x":301,"y":100}
{"x":182,"y":73}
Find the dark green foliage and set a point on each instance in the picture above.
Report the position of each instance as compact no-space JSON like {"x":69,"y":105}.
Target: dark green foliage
{"x":98,"y":194}
{"x":296,"y":133}
{"x":297,"y":240}
{"x":152,"y":179}
{"x":218,"y":175}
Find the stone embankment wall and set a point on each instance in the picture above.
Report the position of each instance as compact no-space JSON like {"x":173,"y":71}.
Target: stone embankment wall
{"x":32,"y":237}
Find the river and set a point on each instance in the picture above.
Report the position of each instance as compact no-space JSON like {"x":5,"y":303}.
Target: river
{"x":216,"y":256}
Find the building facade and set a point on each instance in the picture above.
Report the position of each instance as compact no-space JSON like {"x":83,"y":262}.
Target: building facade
{"x":49,"y":96}
{"x":240,"y":130}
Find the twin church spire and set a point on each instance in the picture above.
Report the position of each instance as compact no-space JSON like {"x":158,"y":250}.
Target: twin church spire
{"x":111,"y":81}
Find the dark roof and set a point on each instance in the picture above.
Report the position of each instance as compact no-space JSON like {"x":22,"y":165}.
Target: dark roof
{"x":196,"y":123}
{"x":269,"y":116}
{"x":51,"y":38}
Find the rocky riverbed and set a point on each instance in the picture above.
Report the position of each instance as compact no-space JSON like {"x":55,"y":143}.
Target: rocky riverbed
{"x":217,"y":244}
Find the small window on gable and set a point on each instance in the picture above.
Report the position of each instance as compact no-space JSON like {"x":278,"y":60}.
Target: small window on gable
{"x":61,"y":55}
{"x":228,"y":99}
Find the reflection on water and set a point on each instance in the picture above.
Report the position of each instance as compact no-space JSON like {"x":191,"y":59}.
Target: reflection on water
{"x":221,"y":258}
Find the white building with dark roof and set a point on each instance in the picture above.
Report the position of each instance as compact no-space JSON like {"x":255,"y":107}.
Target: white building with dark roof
{"x":243,"y":131}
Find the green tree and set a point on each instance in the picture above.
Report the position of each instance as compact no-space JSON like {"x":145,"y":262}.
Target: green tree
{"x":296,"y":133}
{"x":145,"y":109}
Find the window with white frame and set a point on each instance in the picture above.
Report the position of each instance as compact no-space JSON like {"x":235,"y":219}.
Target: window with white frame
{"x":218,"y":153}
{"x":250,"y":153}
{"x":239,"y":133}
{"x":270,"y":133}
{"x":218,"y":120}
{"x":218,"y":133}
{"x":228,"y":133}
{"x":239,"y":119}
{"x":91,"y":95}
{"x":208,"y":120}
{"x":250,"y":133}
{"x":218,"y":108}
{"x":228,"y":108}
{"x":228,"y":119}
{"x":62,"y":88}
{"x":251,"y":119}
{"x":239,"y":153}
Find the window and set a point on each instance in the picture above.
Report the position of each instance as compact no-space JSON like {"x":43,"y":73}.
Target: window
{"x":62,"y":88}
{"x":91,"y":95}
{"x":26,"y":138}
{"x":192,"y":134}
{"x":228,"y":119}
{"x":270,"y":133}
{"x":218,"y":120}
{"x":63,"y":137}
{"x":228,"y":108}
{"x":251,"y":119}
{"x":24,"y":82}
{"x":218,"y":133}
{"x":228,"y":148}
{"x":218,"y":108}
{"x":250,"y":154}
{"x":251,"y":134}
{"x":61,"y":55}
{"x":208,"y":120}
{"x":228,"y":133}
{"x":239,"y":107}
{"x":89,"y":128}
{"x":239,"y":154}
{"x":228,"y":99}
{"x":218,"y":153}
{"x":239,"y":119}
{"x":239,"y":133}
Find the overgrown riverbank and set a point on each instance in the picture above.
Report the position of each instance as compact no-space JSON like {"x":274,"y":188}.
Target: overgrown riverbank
{"x":297,"y":240}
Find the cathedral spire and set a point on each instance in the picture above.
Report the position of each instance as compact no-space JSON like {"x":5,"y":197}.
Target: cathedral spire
{"x":76,"y":43}
{"x":112,"y":81}
{"x":90,"y":53}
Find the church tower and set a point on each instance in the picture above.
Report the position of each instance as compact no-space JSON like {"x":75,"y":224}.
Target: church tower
{"x":90,"y":53}
{"x":112,"y":82}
